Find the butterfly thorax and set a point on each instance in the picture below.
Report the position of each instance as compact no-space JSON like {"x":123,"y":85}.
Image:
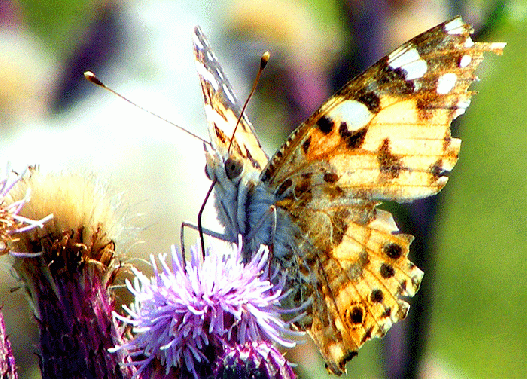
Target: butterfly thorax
{"x":246,"y":206}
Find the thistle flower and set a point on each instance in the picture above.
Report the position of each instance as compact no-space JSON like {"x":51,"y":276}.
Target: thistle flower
{"x":186,"y":316}
{"x":66,"y":268}
{"x":252,"y":360}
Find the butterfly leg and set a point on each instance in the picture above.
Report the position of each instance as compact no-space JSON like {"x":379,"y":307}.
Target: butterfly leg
{"x":200,"y":216}
{"x":208,"y":232}
{"x":272,"y":208}
{"x":273,"y":212}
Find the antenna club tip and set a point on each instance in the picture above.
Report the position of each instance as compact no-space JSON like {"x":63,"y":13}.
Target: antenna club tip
{"x":265,"y":58}
{"x":90,"y":76}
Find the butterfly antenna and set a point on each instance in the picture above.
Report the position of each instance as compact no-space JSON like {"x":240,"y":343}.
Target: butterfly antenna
{"x":263,"y":62}
{"x":92,"y":78}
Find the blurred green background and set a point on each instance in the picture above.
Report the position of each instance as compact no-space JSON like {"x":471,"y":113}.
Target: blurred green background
{"x":51,"y":117}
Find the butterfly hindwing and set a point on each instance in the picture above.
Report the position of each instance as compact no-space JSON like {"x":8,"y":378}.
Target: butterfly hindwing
{"x":357,"y":267}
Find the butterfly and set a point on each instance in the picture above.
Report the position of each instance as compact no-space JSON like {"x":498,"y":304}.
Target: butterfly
{"x":384,"y":136}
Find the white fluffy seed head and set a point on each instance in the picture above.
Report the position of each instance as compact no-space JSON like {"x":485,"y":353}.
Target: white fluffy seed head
{"x":77,"y":202}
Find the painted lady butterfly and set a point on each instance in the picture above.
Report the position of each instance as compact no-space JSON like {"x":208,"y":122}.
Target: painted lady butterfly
{"x":384,"y":136}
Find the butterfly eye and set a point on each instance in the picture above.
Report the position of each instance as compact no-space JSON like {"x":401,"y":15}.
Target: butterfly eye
{"x":233,"y":168}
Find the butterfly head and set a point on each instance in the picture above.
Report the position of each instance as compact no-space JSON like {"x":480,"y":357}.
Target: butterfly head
{"x":223,"y":164}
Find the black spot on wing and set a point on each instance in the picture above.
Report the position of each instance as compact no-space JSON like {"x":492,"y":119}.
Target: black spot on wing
{"x":348,"y":357}
{"x":283,"y":187}
{"x":254,"y":162}
{"x":356,"y":315}
{"x":330,"y":177}
{"x":325,"y":124}
{"x":393,"y":250}
{"x":437,"y":171}
{"x":354,"y":139}
{"x":395,"y":78}
{"x":367,"y":335}
{"x":377,"y":296}
{"x":306,"y":144}
{"x":340,"y":225}
{"x":402,"y":290}
{"x":302,"y":188}
{"x":220,"y":134}
{"x":389,"y":163}
{"x":370,"y":99}
{"x":387,"y":271}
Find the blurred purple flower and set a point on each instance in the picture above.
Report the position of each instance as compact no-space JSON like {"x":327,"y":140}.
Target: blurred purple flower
{"x":7,"y":360}
{"x":187,"y":315}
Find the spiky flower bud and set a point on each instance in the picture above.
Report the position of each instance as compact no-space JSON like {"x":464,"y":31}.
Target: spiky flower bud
{"x":66,"y":268}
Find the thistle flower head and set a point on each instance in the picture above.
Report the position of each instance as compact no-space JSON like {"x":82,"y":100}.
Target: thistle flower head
{"x":252,"y":360}
{"x":186,"y":315}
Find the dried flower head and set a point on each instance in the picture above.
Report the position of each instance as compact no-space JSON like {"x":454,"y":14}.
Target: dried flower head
{"x":66,"y":268}
{"x":185,"y":316}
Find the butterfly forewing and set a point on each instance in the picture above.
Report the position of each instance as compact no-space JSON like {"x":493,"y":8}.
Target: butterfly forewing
{"x":386,"y":134}
{"x":222,"y":109}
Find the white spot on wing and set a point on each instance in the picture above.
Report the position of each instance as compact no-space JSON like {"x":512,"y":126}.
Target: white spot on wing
{"x":469,"y":42}
{"x":462,"y":106}
{"x":446,"y":82}
{"x":197,"y":42}
{"x":354,"y":113}
{"x":410,"y":61}
{"x":402,"y":56}
{"x":415,"y":70}
{"x":465,"y":61}
{"x":498,"y":45}
{"x":207,"y":76}
{"x":456,"y":26}
{"x":442,"y":181}
{"x":229,"y":94}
